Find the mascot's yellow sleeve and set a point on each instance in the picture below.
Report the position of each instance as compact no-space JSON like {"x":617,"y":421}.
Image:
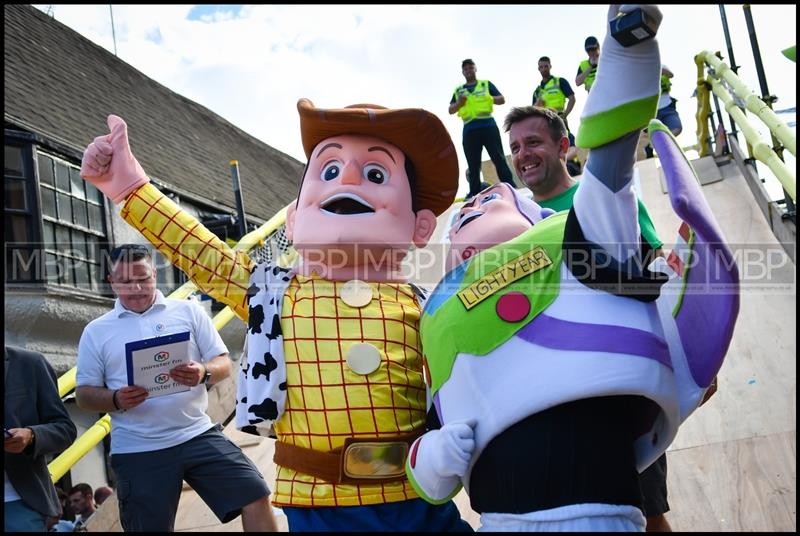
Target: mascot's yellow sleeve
{"x":212,"y":265}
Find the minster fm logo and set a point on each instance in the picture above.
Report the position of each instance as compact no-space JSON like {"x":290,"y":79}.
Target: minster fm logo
{"x":160,"y":357}
{"x":162,"y":378}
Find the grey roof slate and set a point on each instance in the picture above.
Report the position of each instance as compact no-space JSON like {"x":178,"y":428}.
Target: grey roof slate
{"x":62,"y":86}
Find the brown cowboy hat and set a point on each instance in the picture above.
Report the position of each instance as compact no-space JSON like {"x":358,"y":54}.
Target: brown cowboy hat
{"x":418,"y":133}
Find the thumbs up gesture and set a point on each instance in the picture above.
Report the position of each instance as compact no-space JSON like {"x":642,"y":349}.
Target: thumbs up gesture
{"x":109,"y":164}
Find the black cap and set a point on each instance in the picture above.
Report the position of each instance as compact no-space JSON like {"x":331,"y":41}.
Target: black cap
{"x":467,"y":62}
{"x":591,"y":42}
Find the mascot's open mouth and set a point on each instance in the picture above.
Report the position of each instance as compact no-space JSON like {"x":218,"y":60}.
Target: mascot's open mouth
{"x":472,"y":216}
{"x":346,"y":204}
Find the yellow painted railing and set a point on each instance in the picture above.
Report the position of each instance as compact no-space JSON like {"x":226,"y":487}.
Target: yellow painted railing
{"x":66,"y":383}
{"x":761,"y":149}
{"x":723,"y":81}
{"x":752,"y":102}
{"x":86,"y":442}
{"x":703,"y":108}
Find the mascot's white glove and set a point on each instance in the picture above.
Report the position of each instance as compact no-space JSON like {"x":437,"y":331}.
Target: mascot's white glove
{"x":440,"y":459}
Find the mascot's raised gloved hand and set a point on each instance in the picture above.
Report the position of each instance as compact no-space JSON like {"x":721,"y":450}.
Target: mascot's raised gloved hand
{"x":440,"y":458}
{"x":614,"y":109}
{"x":651,"y":9}
{"x":109,"y":164}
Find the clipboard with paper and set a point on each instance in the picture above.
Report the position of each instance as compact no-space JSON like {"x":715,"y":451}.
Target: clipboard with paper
{"x":150,"y":360}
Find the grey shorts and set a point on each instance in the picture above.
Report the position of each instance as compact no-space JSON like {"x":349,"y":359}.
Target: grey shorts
{"x":149,"y":483}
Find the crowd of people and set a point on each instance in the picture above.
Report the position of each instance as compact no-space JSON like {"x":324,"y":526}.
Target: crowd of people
{"x":346,"y":401}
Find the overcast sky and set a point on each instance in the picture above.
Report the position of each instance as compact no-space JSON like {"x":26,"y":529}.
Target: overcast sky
{"x":250,"y":64}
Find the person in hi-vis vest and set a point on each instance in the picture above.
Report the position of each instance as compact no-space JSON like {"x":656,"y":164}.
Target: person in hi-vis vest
{"x":556,"y":94}
{"x":473,"y":101}
{"x":587,"y":70}
{"x":667,"y":112}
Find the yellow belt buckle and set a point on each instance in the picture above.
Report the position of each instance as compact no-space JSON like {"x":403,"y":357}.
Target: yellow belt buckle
{"x":375,"y":459}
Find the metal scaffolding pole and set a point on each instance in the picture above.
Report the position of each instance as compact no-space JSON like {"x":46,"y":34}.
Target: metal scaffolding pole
{"x":237,"y":191}
{"x":734,"y":67}
{"x":765,"y":95}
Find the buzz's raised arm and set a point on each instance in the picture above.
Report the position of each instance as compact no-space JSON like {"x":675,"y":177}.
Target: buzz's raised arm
{"x":622,"y":101}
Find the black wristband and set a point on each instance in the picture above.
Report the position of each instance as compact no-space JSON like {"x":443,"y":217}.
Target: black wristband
{"x":114,"y":400}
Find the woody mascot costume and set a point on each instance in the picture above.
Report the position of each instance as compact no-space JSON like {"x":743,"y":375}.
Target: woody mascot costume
{"x":333,"y":363}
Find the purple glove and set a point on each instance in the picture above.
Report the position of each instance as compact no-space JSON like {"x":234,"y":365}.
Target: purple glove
{"x":109,"y":164}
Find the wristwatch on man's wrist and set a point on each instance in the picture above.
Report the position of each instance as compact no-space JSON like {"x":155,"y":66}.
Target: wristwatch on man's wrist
{"x":30,"y":446}
{"x":206,"y":376}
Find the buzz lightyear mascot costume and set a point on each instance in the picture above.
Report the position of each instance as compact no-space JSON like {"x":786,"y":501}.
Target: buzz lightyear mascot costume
{"x":558,"y":365}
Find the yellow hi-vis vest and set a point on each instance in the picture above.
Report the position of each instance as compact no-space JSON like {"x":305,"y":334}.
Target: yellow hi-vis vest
{"x":479,"y":101}
{"x":666,"y":85}
{"x":589,"y":79}
{"x":551,"y":94}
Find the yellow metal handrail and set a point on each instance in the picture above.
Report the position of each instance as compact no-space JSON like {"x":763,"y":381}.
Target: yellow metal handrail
{"x":722,"y":81}
{"x":761,"y":149}
{"x":66,"y":383}
{"x":752,"y":102}
{"x":82,"y":445}
{"x":703,"y":108}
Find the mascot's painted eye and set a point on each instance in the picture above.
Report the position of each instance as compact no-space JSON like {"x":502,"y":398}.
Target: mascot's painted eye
{"x":331,"y":171}
{"x":375,"y":173}
{"x":490,"y":197}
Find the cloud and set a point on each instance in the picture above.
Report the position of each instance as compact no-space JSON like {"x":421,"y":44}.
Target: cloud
{"x":250,"y":64}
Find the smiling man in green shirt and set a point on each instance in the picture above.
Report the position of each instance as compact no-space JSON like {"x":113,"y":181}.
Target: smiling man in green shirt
{"x":544,"y":170}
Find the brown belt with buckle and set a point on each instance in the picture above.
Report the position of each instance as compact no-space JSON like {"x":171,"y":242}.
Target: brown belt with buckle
{"x":358,"y":461}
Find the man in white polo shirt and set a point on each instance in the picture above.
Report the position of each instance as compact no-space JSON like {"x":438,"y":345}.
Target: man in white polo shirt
{"x":159,"y":441}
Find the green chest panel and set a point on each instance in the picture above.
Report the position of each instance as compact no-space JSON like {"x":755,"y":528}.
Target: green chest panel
{"x":462,"y":315}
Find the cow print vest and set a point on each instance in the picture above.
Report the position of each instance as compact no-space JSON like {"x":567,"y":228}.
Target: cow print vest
{"x":261,"y":391}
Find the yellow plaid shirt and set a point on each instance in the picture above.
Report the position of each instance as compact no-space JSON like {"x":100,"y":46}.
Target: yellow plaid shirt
{"x":326,"y":401}
{"x":210,"y":263}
